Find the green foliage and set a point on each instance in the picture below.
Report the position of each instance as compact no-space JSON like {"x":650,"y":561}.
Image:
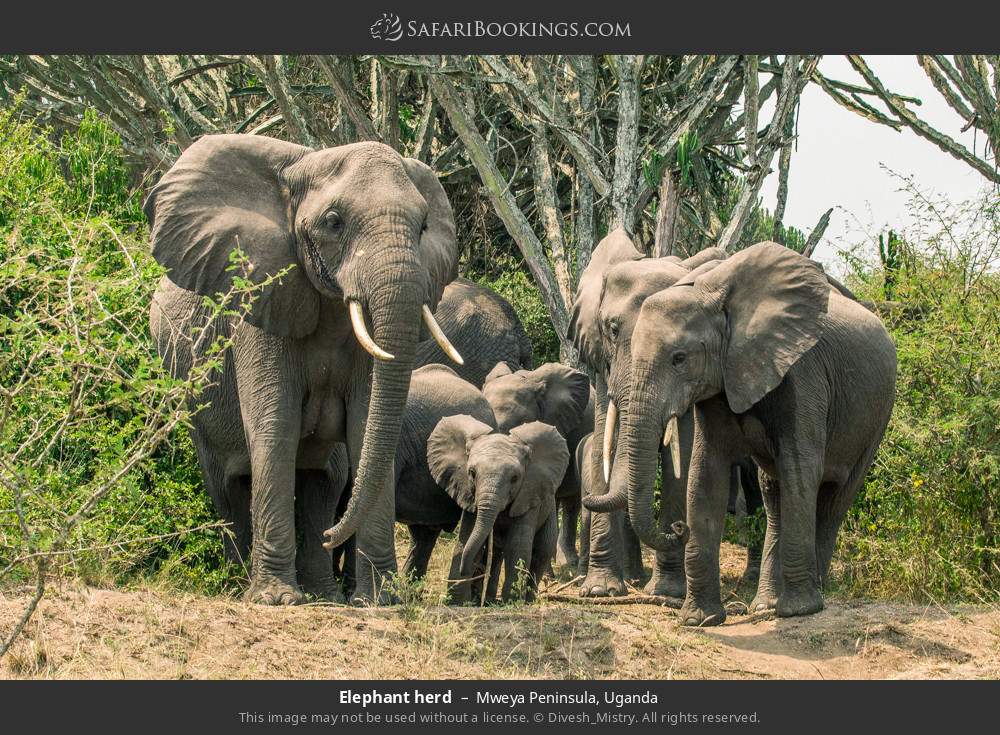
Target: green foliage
{"x":96,"y":459}
{"x":927,"y":526}
{"x":519,"y":289}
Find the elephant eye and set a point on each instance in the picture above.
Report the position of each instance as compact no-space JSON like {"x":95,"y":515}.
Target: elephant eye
{"x":472,"y":474}
{"x":423,"y":227}
{"x":333,"y":219}
{"x":679,"y":358}
{"x":514,"y":479}
{"x":613,"y":329}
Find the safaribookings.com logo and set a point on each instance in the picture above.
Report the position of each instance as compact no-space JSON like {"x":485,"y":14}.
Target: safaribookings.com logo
{"x":390,"y":28}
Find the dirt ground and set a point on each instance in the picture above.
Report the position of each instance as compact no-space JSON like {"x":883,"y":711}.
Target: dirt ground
{"x":84,"y":632}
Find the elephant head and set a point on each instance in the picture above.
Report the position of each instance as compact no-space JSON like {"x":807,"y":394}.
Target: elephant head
{"x":553,"y":393}
{"x":611,"y":292}
{"x":487,"y":473}
{"x":735,"y":328}
{"x":357,"y":228}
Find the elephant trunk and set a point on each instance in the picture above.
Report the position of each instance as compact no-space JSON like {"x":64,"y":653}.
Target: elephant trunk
{"x":486,"y":515}
{"x":641,"y":435}
{"x":615,"y":497}
{"x":395,"y":289}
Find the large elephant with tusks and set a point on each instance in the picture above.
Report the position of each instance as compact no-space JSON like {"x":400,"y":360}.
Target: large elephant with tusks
{"x":350,"y":249}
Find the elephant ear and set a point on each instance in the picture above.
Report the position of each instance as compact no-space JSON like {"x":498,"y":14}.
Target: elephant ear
{"x":584,"y":327}
{"x":774,"y":300}
{"x":548,"y":458}
{"x":438,"y":243}
{"x":226,"y":192}
{"x":564,"y":396}
{"x":498,"y":371}
{"x":448,"y":456}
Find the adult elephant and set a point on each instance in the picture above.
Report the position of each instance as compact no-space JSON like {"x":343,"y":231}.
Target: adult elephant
{"x":613,"y":545}
{"x":626,"y":285}
{"x":778,"y":363}
{"x":349,"y":246}
{"x":561,"y":397}
{"x":483,"y":327}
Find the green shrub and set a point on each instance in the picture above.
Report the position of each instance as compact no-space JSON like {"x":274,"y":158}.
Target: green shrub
{"x":519,"y":289}
{"x":927,"y":525}
{"x":96,"y":456}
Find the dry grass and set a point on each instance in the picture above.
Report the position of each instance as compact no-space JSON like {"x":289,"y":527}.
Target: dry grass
{"x":84,"y":632}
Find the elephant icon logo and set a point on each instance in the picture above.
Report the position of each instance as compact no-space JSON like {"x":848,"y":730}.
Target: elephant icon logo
{"x":387,"y":28}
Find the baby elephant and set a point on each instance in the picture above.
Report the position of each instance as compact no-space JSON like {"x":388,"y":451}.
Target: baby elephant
{"x":509,"y":481}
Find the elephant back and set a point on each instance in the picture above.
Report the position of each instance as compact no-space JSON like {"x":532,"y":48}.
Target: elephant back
{"x":483,"y":327}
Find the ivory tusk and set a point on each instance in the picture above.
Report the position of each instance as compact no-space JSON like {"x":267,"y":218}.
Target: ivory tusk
{"x":610,"y":424}
{"x":672,"y":439}
{"x":439,"y":335}
{"x":361,"y":332}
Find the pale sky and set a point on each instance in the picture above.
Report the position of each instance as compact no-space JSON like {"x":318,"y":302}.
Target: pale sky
{"x":837,"y":162}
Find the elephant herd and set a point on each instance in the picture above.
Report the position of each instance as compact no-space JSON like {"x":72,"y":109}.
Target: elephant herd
{"x":360,"y":383}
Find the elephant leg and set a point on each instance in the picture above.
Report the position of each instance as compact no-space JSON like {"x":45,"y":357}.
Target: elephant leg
{"x":543,"y":548}
{"x":769,"y":583}
{"x":605,"y":572}
{"x":832,"y":505}
{"x":799,"y":474}
{"x":746,"y":473}
{"x":635,"y":572}
{"x":516,"y":561}
{"x":271,"y":419}
{"x":376,"y":543}
{"x":707,"y":498}
{"x":668,"y":578}
{"x":340,"y":466}
{"x":315,"y":508}
{"x":496,"y":565}
{"x":230,"y":496}
{"x":605,"y":568}
{"x":424,"y":540}
{"x":581,"y":569}
{"x":459,"y":589}
{"x":566,"y":553}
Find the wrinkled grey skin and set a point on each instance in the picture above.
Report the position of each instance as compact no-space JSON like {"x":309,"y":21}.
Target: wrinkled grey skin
{"x":436,"y":392}
{"x":355,"y":223}
{"x":557,"y":395}
{"x":483,"y":327}
{"x":611,"y":289}
{"x":778,"y":364}
{"x":626,"y":286}
{"x":508,"y":481}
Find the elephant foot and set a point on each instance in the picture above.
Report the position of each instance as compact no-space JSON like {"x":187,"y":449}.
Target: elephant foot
{"x":273,"y":591}
{"x":364,"y":595}
{"x":702,"y":616}
{"x":667,"y":584}
{"x":798,"y":602}
{"x":322,"y":586}
{"x":763,"y":602}
{"x":602,"y":582}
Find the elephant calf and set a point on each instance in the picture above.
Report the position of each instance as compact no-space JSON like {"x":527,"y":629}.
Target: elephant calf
{"x":508,"y":481}
{"x":422,"y":505}
{"x":562,"y":397}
